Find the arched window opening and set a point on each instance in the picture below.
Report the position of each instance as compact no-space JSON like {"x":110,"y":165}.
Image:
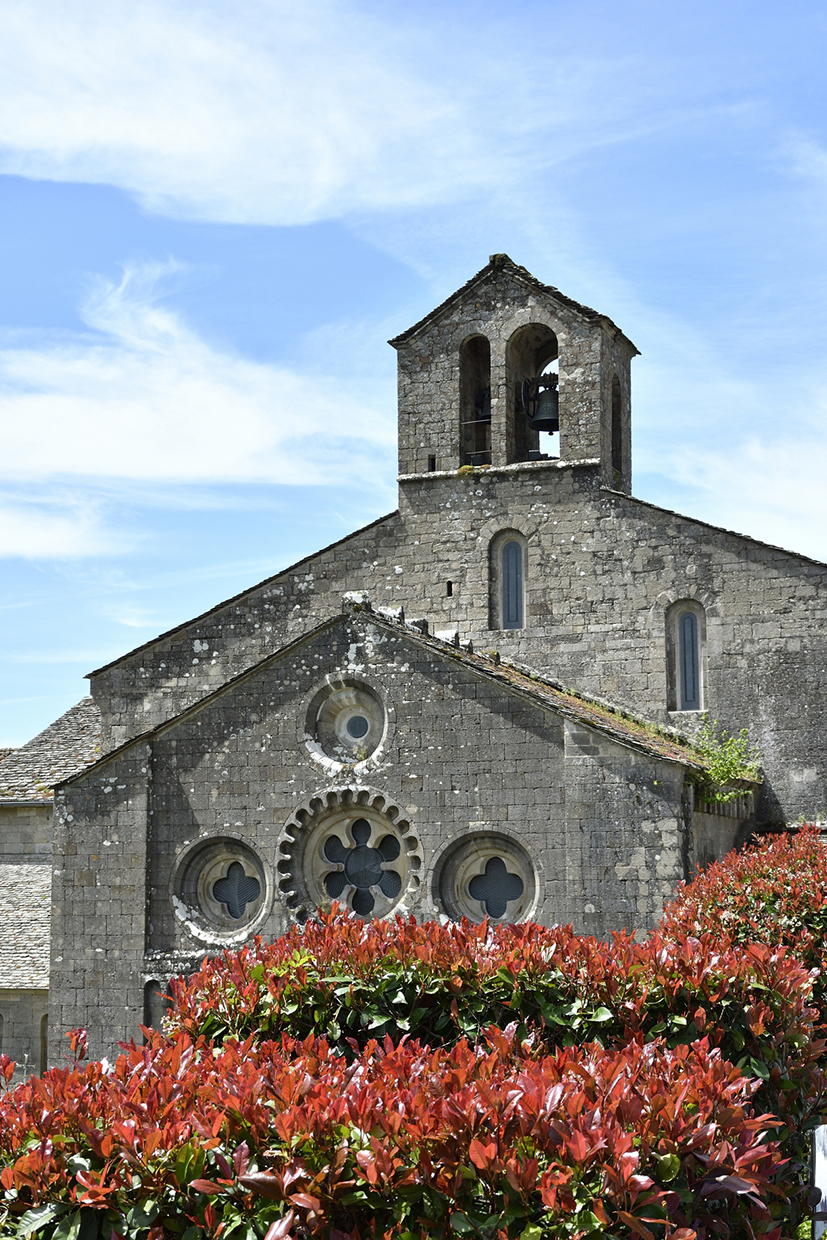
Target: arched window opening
{"x":44,"y":1043}
{"x":532,"y":368}
{"x":512,"y":575}
{"x":507,"y":573}
{"x":155,"y":1004}
{"x":617,"y":432}
{"x":475,"y":401}
{"x":685,"y":642}
{"x":690,"y":685}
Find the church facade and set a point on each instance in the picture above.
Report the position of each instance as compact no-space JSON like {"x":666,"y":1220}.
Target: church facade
{"x":479,"y":705}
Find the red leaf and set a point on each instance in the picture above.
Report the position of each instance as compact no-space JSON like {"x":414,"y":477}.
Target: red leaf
{"x":281,"y":1228}
{"x":263,"y":1183}
{"x":208,"y":1186}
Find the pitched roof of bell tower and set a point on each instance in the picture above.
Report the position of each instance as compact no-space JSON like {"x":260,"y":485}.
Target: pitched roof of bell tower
{"x":497,"y":265}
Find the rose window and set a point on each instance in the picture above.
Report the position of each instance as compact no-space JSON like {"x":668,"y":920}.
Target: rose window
{"x":345,"y":720}
{"x":354,"y":846}
{"x":361,"y":868}
{"x":221,"y":889}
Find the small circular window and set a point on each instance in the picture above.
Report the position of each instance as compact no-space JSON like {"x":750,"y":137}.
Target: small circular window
{"x":346,"y":720}
{"x":486,"y":875}
{"x":220,"y":889}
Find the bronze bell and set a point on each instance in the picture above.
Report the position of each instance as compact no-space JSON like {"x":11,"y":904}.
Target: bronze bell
{"x":546,"y":416}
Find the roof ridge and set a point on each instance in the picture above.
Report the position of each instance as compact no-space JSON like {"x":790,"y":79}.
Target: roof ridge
{"x":502,"y":262}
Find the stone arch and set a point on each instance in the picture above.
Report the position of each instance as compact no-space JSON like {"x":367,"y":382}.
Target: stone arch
{"x":531,"y":350}
{"x":475,"y":400}
{"x":685,"y":635}
{"x":507,"y":580}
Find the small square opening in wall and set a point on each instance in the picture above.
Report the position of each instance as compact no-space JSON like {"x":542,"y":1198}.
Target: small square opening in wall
{"x":431,"y":464}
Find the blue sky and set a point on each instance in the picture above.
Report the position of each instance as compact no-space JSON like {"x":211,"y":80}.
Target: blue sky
{"x":213,"y":217}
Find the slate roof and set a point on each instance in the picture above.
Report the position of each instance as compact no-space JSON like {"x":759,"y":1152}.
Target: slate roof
{"x":502,"y":262}
{"x":66,"y":747}
{"x":25,"y":913}
{"x":619,"y":724}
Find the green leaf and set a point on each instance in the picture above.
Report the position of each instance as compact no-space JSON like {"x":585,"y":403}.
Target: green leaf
{"x":668,"y":1167}
{"x":33,"y":1220}
{"x":68,"y":1228}
{"x":142,"y":1214}
{"x":77,"y":1163}
{"x":532,"y":1232}
{"x":602,"y":1014}
{"x":461,"y":1225}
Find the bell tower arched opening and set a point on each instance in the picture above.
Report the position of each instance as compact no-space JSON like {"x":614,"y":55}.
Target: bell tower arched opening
{"x":617,"y":432}
{"x":475,"y":401}
{"x":532,"y":374}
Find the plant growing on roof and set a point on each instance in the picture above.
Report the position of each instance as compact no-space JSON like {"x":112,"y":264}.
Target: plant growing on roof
{"x":728,"y":760}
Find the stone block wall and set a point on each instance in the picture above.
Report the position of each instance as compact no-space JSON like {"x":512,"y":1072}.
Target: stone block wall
{"x":602,"y":571}
{"x":25,"y":833}
{"x":99,"y":902}
{"x":465,"y":771}
{"x":24,"y":1016}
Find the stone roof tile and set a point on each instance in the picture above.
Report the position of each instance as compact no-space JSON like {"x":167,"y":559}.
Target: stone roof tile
{"x":67,"y":746}
{"x":25,"y":912}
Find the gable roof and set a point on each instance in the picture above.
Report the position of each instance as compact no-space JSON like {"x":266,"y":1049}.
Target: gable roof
{"x":619,"y":725}
{"x":496,"y":264}
{"x":67,"y":746}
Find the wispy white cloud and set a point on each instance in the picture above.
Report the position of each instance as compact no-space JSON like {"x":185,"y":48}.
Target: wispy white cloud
{"x":142,"y":397}
{"x":271,"y":112}
{"x":49,"y":526}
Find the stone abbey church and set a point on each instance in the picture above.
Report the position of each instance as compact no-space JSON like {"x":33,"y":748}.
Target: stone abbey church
{"x":476,"y":705}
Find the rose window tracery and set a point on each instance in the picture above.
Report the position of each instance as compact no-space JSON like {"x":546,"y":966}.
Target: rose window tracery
{"x":496,"y":887}
{"x":362,"y":868}
{"x":352,"y":846}
{"x":236,"y":890}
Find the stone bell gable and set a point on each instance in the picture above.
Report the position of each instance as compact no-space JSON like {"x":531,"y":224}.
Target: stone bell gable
{"x":464,"y":369}
{"x":370,"y":763}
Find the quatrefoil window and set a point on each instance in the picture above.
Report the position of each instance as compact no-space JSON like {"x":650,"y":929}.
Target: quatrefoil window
{"x":486,"y":874}
{"x":362,"y":868}
{"x":237,"y":890}
{"x":496,"y":887}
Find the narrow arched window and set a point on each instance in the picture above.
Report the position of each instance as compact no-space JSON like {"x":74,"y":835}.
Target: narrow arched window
{"x":475,"y":401}
{"x":685,"y":656}
{"x":690,"y":669}
{"x":617,"y":431}
{"x":44,"y":1043}
{"x":512,"y":584}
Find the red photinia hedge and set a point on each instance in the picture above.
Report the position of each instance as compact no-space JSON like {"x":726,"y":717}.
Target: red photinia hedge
{"x":351,"y":980}
{"x":285,"y":1140}
{"x":773,"y":892}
